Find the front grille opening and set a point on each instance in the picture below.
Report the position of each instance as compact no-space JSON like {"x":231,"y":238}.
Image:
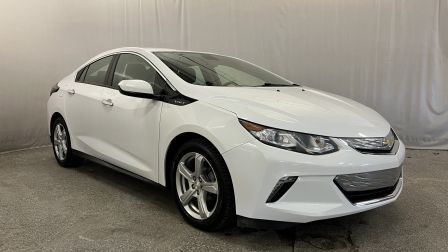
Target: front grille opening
{"x":368,"y":147}
{"x":281,"y":188}
{"x":361,"y":196}
{"x":370,"y":151}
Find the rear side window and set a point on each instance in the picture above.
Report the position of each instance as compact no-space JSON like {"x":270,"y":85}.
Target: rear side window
{"x":96,"y":72}
{"x":133,"y":67}
{"x":81,"y":74}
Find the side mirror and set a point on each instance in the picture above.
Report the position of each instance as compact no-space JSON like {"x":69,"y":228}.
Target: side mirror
{"x":137,"y":88}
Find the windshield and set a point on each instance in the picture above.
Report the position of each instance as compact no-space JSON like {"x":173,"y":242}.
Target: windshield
{"x":216,"y":70}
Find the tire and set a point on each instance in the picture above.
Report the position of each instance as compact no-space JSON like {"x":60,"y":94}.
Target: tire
{"x":60,"y":139}
{"x":213,"y":176}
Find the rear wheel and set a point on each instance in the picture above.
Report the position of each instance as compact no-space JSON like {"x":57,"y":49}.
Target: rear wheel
{"x":62,"y":146}
{"x":202,"y":186}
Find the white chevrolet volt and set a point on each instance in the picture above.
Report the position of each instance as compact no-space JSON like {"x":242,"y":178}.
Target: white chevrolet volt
{"x":234,"y":142}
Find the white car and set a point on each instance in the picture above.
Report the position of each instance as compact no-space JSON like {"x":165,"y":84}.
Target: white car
{"x":235,"y":142}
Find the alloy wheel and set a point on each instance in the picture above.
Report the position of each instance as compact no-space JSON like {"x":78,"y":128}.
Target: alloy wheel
{"x":60,"y":142}
{"x":197,"y":185}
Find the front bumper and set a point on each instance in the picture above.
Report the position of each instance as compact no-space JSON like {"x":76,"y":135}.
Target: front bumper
{"x":256,"y":168}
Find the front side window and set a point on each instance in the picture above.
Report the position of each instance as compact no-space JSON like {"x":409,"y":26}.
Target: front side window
{"x":217,"y":70}
{"x":133,"y":67}
{"x":96,"y":72}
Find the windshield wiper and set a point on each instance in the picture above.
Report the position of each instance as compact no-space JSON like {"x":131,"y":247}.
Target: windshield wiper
{"x":267,"y":84}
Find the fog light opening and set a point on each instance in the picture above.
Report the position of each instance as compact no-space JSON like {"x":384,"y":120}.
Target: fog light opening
{"x":281,"y":188}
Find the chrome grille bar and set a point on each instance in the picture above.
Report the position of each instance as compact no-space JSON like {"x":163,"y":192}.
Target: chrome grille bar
{"x":373,"y":145}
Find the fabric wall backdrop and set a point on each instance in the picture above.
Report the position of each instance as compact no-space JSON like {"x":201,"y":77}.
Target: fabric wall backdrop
{"x":389,"y":55}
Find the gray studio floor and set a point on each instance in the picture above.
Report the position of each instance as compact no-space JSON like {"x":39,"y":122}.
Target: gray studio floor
{"x":45,"y":207}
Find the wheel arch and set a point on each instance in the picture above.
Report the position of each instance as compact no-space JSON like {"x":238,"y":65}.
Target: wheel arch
{"x":54,"y":116}
{"x":175,"y":143}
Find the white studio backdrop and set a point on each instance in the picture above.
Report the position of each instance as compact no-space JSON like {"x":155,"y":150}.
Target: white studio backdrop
{"x":388,"y":54}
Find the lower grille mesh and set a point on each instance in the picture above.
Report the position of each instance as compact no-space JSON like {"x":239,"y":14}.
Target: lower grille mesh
{"x":367,"y":186}
{"x":360,"y":196}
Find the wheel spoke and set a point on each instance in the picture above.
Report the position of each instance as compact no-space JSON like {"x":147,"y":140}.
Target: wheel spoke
{"x":187,"y":196}
{"x":63,"y":134}
{"x":58,"y":131}
{"x":64,"y":147}
{"x":183,"y":170}
{"x":202,"y":206}
{"x":198,"y":164}
{"x":211,"y":187}
{"x":61,"y":155}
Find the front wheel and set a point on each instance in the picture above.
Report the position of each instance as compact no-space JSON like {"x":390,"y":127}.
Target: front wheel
{"x":202,"y":186}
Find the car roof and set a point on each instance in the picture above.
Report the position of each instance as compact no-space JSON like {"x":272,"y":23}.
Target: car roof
{"x":137,"y":50}
{"x":152,"y":50}
{"x":161,"y":49}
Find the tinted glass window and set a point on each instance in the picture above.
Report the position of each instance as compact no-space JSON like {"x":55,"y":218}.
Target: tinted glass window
{"x":96,"y":72}
{"x":81,"y":74}
{"x":133,"y":67}
{"x":217,"y":70}
{"x":230,"y":74}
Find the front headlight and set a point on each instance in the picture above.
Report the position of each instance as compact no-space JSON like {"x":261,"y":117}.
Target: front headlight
{"x":294,"y":141}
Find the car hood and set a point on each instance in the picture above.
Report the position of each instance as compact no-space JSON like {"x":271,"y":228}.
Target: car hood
{"x":299,"y":109}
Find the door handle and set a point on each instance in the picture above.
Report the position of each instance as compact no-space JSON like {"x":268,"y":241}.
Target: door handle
{"x":107,"y":102}
{"x":71,"y":91}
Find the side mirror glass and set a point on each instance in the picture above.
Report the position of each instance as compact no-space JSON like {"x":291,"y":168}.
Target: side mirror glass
{"x":136,"y":88}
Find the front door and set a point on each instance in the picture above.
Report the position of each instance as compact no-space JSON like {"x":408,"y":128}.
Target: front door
{"x":130,"y":125}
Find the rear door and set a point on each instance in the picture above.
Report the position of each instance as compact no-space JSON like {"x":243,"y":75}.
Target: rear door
{"x":83,"y":105}
{"x":130,"y":125}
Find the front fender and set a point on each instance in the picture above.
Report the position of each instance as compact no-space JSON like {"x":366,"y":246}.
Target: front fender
{"x":219,"y":126}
